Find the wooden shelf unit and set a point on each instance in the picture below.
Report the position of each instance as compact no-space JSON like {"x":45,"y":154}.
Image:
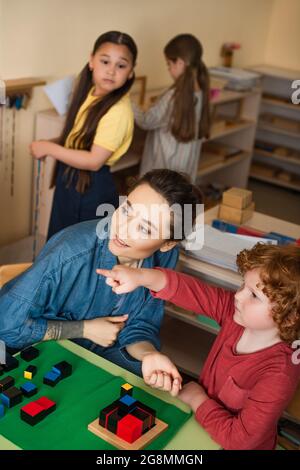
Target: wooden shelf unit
{"x":22,"y":86}
{"x":283,"y":133}
{"x":234,"y":120}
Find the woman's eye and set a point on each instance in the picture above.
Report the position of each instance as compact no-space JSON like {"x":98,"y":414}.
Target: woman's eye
{"x":122,"y":66}
{"x":254,"y":295}
{"x":104,"y":61}
{"x":145,"y":230}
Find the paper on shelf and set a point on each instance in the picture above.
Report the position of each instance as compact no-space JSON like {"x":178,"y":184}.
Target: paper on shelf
{"x":59,"y":93}
{"x":257,"y":239}
{"x":222,"y":248}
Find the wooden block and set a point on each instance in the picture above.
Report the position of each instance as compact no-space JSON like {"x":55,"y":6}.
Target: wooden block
{"x":216,"y":148}
{"x":219,"y":125}
{"x":237,"y":198}
{"x":237,"y":216}
{"x":282,"y":151}
{"x":140,"y":443}
{"x":261,"y":169}
{"x":286,"y":124}
{"x":208,"y":159}
{"x":284,"y":176}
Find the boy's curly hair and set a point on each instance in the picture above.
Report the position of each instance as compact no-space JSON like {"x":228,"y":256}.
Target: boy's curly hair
{"x":280,"y":274}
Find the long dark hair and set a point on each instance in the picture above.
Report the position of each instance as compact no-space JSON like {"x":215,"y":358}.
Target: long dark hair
{"x":84,"y":138}
{"x":183,"y":116}
{"x":177,"y":189}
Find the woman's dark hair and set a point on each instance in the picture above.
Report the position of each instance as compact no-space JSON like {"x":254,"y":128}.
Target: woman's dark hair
{"x":181,"y":195}
{"x":183,"y":116}
{"x":84,"y":138}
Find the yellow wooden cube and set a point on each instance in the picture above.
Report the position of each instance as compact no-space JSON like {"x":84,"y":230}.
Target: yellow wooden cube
{"x":236,"y":216}
{"x":237,"y":197}
{"x":27,"y":375}
{"x":126,"y":389}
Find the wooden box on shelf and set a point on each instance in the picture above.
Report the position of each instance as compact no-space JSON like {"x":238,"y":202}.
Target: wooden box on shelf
{"x":237,"y":197}
{"x":234,"y":215}
{"x":279,"y":122}
{"x":237,"y":206}
{"x":259,"y":169}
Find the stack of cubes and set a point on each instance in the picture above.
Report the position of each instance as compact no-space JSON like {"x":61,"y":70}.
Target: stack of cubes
{"x":237,"y":206}
{"x":127,"y":417}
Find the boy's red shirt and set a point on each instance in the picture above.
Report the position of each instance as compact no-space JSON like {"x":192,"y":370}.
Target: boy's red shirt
{"x":248,"y":392}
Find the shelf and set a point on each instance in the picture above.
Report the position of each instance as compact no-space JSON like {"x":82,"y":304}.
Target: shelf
{"x":273,"y":180}
{"x":290,"y":417}
{"x":199,"y":321}
{"x":270,"y":128}
{"x":286,"y":443}
{"x":223,"y":164}
{"x":187,"y":346}
{"x":273,"y":101}
{"x":276,"y":72}
{"x":226,"y":96}
{"x":232,"y":129}
{"x":208,"y":272}
{"x":22,"y":85}
{"x":282,"y":123}
{"x":278,"y":130}
{"x":279,"y":158}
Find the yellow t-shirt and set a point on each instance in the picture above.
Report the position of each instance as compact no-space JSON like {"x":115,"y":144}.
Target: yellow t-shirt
{"x":115,"y":128}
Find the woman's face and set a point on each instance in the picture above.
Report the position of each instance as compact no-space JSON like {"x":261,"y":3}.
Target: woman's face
{"x":141,"y":225}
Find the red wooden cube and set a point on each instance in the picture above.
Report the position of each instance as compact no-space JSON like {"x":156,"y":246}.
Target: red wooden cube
{"x":129,"y":428}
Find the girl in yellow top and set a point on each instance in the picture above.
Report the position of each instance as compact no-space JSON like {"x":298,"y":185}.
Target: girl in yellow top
{"x":97,"y":132}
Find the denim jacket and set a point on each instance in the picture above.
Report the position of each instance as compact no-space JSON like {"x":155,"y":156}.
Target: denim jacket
{"x":62,"y":285}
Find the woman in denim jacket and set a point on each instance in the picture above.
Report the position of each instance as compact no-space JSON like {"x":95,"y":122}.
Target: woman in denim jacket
{"x":61,"y":296}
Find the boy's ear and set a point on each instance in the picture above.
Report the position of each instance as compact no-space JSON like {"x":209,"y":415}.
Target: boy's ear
{"x":167,"y":246}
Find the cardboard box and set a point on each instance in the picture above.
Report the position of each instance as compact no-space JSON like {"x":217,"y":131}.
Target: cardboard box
{"x":237,"y":198}
{"x":234,"y":215}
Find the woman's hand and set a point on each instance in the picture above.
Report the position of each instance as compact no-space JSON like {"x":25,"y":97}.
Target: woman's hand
{"x":159,"y":372}
{"x":105,"y":330}
{"x":40,"y":148}
{"x":193,"y":395}
{"x":122,"y":279}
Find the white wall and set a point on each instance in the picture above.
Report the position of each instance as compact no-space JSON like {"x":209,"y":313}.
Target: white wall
{"x":283,"y":43}
{"x":53,"y":38}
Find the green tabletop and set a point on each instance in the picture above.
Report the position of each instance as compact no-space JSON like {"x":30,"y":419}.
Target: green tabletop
{"x":190,"y":436}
